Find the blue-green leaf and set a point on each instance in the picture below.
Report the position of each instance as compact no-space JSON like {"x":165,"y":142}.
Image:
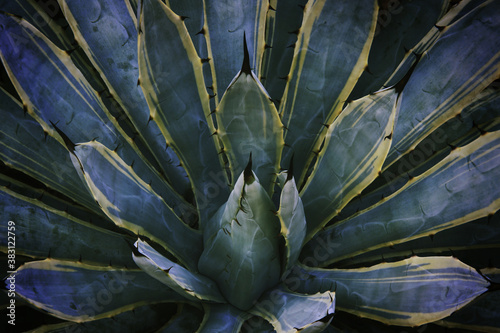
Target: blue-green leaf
{"x":80,"y":292}
{"x":42,"y":231}
{"x":400,"y":26}
{"x":241,"y":244}
{"x":282,"y":26}
{"x":107,"y":33}
{"x":131,"y":203}
{"x":438,"y":89}
{"x":461,"y":241}
{"x":55,"y":93}
{"x":293,"y":312}
{"x":411,"y":292}
{"x":459,"y":189}
{"x":293,"y":222}
{"x":191,"y":285}
{"x":330,"y":54}
{"x":354,"y":151}
{"x":249,"y":124}
{"x":25,"y":147}
{"x":222,"y":318}
{"x":227,"y":21}
{"x":172,"y":80}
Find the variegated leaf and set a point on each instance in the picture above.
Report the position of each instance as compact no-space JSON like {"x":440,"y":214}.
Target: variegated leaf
{"x":80,"y":292}
{"x":293,"y":312}
{"x":190,"y":285}
{"x":171,"y":77}
{"x":318,"y":86}
{"x":249,"y":124}
{"x":459,"y":189}
{"x":241,"y":243}
{"x":107,"y":32}
{"x":132,"y":204}
{"x":411,"y":292}
{"x":438,"y":89}
{"x":352,"y":156}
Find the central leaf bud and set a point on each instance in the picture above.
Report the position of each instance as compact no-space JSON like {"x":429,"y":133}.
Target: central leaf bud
{"x":241,"y":251}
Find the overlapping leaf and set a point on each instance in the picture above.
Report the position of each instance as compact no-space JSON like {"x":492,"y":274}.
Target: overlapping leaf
{"x":353,"y":154}
{"x":79,"y":292}
{"x":42,"y":231}
{"x":438,"y":88}
{"x":330,"y":55}
{"x":293,"y":221}
{"x":400,"y":26}
{"x":241,"y":244}
{"x":188,"y":284}
{"x":43,"y":158}
{"x":398,"y":293}
{"x":249,"y":124}
{"x":222,"y":318}
{"x":227,"y":21}
{"x":107,"y":32}
{"x":434,"y":201}
{"x":292,"y":312}
{"x":178,"y":100}
{"x":132,"y":204}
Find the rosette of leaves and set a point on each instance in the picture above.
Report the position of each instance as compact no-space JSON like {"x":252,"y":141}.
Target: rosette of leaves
{"x":227,"y":166}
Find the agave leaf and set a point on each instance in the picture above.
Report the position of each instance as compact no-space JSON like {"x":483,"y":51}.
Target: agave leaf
{"x":292,"y":312}
{"x":106,"y":31}
{"x":35,"y":193}
{"x":193,"y":286}
{"x":249,"y":124}
{"x":55,"y":93}
{"x":329,"y":57}
{"x":438,"y":199}
{"x":41,"y":15}
{"x":80,"y":292}
{"x":132,"y":204}
{"x":239,"y":17}
{"x":282,"y":26}
{"x":480,"y":116}
{"x":222,"y":318}
{"x":400,"y":26}
{"x":178,"y":101}
{"x":453,"y":84}
{"x":479,"y":316}
{"x":361,"y":135}
{"x":398,"y":293}
{"x":187,"y":319}
{"x":58,"y":92}
{"x":241,"y":243}
{"x":293,"y":222}
{"x":42,"y":231}
{"x":26,"y":147}
{"x":482,"y":234}
{"x":193,"y":13}
{"x":430,"y":38}
{"x":143,"y":318}
{"x":34,"y":13}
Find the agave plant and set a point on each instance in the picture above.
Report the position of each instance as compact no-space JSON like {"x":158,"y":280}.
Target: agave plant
{"x":254,"y":166}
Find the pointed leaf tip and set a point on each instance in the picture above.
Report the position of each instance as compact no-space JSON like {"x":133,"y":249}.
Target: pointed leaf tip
{"x":247,"y":173}
{"x":245,"y":67}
